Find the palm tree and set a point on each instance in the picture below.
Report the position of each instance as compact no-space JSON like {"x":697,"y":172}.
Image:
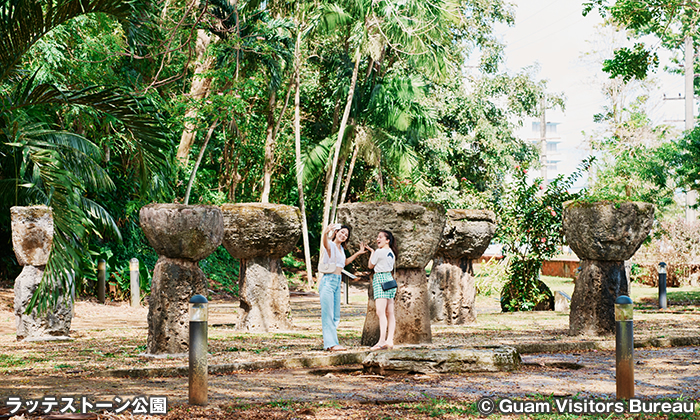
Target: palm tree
{"x":42,"y":165}
{"x":387,"y":30}
{"x":388,"y":120}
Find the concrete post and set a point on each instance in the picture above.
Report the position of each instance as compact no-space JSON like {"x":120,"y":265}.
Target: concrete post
{"x":135,"y":286}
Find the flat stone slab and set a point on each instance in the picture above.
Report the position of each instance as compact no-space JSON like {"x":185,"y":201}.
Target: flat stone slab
{"x":448,"y":360}
{"x":180,"y":231}
{"x":253,"y":230}
{"x":607,"y":231}
{"x":325,"y":359}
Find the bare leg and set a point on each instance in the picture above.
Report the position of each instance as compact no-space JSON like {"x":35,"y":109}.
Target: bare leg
{"x":391,"y":320}
{"x":381,"y":313}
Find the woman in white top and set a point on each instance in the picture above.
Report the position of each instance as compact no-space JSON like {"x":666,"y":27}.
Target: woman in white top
{"x":331,"y":263}
{"x":383,"y":260}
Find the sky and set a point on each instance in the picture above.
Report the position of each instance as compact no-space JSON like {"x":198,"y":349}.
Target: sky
{"x":554,"y":35}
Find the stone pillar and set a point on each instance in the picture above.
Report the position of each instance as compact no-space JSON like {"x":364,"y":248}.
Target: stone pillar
{"x":417,"y":228}
{"x":181,"y":235}
{"x":603,"y":235}
{"x":32,"y":240}
{"x":451,"y":285}
{"x":260,"y":234}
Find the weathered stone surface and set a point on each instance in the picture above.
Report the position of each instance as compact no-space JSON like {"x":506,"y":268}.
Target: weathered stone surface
{"x":411,"y":307}
{"x":32,"y":234}
{"x":180,"y":231}
{"x":370,"y":329}
{"x":466,"y":236}
{"x":55,"y":324}
{"x":264,"y":295}
{"x":174,"y":282}
{"x":417,"y":228}
{"x":450,"y":360}
{"x":452,"y":291}
{"x":593,"y":301}
{"x":607,"y":231}
{"x":260,"y":229}
{"x":561,"y":301}
{"x":411,"y":310}
{"x":467,"y":233}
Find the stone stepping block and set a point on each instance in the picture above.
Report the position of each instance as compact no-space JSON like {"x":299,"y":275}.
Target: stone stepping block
{"x":445,"y":360}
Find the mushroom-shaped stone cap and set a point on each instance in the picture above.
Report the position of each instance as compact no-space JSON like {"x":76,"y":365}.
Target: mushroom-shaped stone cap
{"x":607,"y":231}
{"x":180,"y":231}
{"x":467,"y":233}
{"x":417,"y":228}
{"x":32,"y":234}
{"x":260,"y":229}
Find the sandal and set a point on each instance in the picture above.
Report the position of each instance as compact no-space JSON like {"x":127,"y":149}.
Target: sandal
{"x":377,"y":347}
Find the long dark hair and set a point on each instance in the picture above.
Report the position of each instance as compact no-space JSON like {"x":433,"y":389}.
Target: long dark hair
{"x":348,"y":238}
{"x":392,"y":242}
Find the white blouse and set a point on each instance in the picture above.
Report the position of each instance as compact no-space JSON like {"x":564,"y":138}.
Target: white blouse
{"x":337,"y":255}
{"x":383,"y":260}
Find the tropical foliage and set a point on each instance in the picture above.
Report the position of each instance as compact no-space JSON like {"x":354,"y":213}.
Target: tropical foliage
{"x":108,"y":105}
{"x":531,"y":232}
{"x":44,"y":161}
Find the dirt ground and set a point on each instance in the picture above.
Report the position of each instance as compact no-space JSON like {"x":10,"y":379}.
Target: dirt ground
{"x":113,"y":336}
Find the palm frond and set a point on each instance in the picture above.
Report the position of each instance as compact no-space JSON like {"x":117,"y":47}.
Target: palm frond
{"x":315,"y":159}
{"x":24,"y":22}
{"x":71,"y":224}
{"x":100,"y":217}
{"x":399,"y":154}
{"x":135,"y":114}
{"x":328,"y":18}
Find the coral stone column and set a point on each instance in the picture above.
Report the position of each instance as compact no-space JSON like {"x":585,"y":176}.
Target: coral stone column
{"x":603,"y":235}
{"x":417,"y":228}
{"x":451,"y":286}
{"x":32,"y":240}
{"x":260,"y":234}
{"x":181,"y":235}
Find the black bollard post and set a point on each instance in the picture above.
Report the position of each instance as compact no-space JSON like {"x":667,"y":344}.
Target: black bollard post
{"x":662,"y":285}
{"x":101,"y":280}
{"x":198,"y":350}
{"x":624,"y":348}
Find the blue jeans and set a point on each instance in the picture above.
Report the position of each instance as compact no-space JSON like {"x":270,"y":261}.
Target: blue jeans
{"x":329,"y":290}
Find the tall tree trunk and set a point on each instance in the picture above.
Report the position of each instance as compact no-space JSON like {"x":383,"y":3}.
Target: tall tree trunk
{"x":270,"y":143}
{"x":269,"y":148}
{"x":338,"y":182}
{"x":300,"y":178}
{"x":198,"y":90}
{"x":235,"y":176}
{"x":341,"y":133}
{"x":346,"y":187}
{"x":379,"y":176}
{"x":199,"y":160}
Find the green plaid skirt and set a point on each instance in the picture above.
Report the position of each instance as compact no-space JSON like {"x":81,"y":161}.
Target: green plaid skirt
{"x":377,"y":281}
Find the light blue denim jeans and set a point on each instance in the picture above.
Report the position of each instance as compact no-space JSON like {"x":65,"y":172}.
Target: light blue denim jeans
{"x":329,"y":290}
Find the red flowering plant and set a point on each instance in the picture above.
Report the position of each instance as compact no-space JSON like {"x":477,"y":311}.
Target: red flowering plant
{"x":530,"y":229}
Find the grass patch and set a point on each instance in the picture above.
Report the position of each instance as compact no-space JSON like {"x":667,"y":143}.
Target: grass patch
{"x":12,"y":361}
{"x":288,"y":404}
{"x":684,"y":297}
{"x":293,"y":336}
{"x":63,"y":366}
{"x":439,"y":407}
